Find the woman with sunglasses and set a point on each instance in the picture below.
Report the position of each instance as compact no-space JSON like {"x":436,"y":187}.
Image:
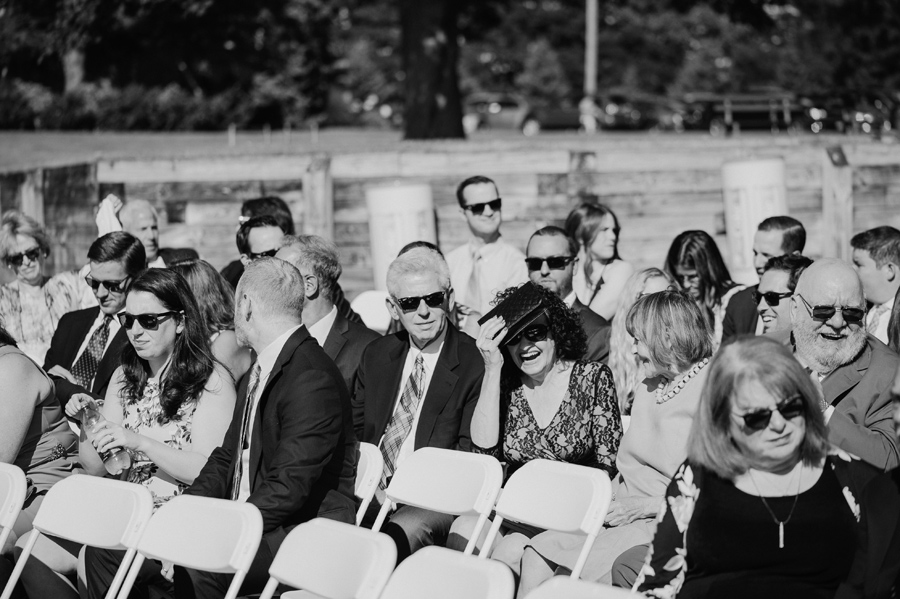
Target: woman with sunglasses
{"x":540,"y":400}
{"x":32,"y":304}
{"x":602,"y":275}
{"x":759,"y":508}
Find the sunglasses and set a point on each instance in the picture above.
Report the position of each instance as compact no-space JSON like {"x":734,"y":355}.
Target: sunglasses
{"x":148,"y":322}
{"x":410,"y":304}
{"x":825,"y":313}
{"x":33,"y":255}
{"x":553,"y":262}
{"x":789,"y":408}
{"x":266,"y":254}
{"x":111,"y":286}
{"x":772,"y":298}
{"x":478,"y":209}
{"x":533,"y":333}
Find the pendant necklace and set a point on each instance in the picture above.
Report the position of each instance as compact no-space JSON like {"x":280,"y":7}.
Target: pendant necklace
{"x":780,"y":523}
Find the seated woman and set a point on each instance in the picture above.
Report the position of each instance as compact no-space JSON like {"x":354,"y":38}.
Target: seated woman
{"x":215,"y":298}
{"x":602,"y":275}
{"x":31,"y":306}
{"x":673,"y":344}
{"x":539,"y":400}
{"x":759,"y":509}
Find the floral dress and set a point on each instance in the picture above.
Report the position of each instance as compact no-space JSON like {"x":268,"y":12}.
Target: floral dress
{"x":145,"y":417}
{"x":714,"y":540}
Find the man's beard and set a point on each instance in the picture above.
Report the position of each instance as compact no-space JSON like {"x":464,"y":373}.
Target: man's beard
{"x":828,"y":356}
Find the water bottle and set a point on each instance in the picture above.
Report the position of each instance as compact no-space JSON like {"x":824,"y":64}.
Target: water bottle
{"x":116,"y":459}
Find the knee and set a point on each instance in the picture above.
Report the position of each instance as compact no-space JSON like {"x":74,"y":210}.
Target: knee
{"x":461,"y":531}
{"x":627,"y":566}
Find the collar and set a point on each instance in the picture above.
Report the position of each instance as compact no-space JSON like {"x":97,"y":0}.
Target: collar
{"x":569,"y":300}
{"x":321,"y":328}
{"x":267,"y":357}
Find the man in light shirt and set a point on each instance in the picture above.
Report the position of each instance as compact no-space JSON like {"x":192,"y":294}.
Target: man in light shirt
{"x":876,"y":257}
{"x":139,"y":218}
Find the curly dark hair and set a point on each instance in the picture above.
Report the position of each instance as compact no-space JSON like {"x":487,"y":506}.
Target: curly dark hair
{"x":192,"y":360}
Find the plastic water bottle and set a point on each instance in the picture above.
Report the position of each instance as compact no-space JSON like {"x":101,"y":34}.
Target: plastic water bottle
{"x":116,"y":459}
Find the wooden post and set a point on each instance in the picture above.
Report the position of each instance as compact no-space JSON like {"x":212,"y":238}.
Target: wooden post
{"x":30,"y":198}
{"x":318,"y":198}
{"x":837,"y":204}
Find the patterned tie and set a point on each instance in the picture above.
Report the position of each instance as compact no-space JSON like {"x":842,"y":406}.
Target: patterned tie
{"x":875,"y":317}
{"x":473,"y":293}
{"x":85,"y":367}
{"x":402,"y":420}
{"x":242,"y":437}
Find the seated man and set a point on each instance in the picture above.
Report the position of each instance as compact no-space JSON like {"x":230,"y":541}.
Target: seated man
{"x":776,"y":286}
{"x":417,"y":388}
{"x":271,"y":205}
{"x":876,"y":257}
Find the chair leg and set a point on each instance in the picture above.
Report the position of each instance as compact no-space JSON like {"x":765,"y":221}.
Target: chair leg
{"x":20,"y":564}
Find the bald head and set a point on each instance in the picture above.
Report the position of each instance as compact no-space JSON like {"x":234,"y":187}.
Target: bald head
{"x":831,"y":282}
{"x":138,"y":217}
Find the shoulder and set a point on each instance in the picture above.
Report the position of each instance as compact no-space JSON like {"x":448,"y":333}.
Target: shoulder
{"x":68,"y":278}
{"x":508,"y":250}
{"x":618,"y":270}
{"x":361,"y":332}
{"x":464,"y":343}
{"x":881,"y":353}
{"x":19,"y":371}
{"x":383,"y":344}
{"x":457,"y":254}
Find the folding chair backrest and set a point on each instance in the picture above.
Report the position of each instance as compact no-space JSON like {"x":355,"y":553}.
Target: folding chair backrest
{"x":439,"y":573}
{"x":572,"y":588}
{"x":333,"y":560}
{"x":371,"y":308}
{"x":12,"y":495}
{"x":368,"y":474}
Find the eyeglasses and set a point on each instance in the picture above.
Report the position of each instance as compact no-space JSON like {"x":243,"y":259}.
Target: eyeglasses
{"x":33,"y":255}
{"x":825,"y":313}
{"x":789,"y":408}
{"x":111,"y":286}
{"x":773,"y":298}
{"x":553,"y":262}
{"x":533,"y":333}
{"x":410,"y":304}
{"x":478,"y":209}
{"x":266,"y":254}
{"x":148,"y":322}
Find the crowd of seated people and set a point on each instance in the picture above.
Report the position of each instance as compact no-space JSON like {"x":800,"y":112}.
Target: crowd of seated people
{"x":750,"y":433}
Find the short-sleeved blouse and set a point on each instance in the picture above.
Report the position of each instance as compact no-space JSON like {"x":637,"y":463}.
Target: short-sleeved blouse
{"x":585,"y":430}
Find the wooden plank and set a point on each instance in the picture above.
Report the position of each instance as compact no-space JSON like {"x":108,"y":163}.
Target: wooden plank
{"x":238,"y":168}
{"x":837,"y":208}
{"x":318,"y":190}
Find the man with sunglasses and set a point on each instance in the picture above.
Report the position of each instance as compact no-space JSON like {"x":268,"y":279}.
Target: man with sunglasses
{"x":417,"y":388}
{"x":487,"y":263}
{"x":776,"y":286}
{"x":551,"y":260}
{"x":87,"y":344}
{"x":856,"y":371}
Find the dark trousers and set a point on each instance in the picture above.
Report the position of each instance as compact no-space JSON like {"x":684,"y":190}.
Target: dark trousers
{"x":100,"y":569}
{"x":627,"y":566}
{"x":6,"y":568}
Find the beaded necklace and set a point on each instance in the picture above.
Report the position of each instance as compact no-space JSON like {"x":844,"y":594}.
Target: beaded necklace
{"x":663,"y":398}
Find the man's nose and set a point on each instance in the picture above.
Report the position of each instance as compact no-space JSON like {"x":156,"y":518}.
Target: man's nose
{"x":545,"y":268}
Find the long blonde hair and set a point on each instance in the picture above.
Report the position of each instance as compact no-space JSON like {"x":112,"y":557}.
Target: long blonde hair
{"x":621,"y":359}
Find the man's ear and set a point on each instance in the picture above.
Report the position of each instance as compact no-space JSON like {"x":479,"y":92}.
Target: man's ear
{"x":245,"y":308}
{"x":311,"y":284}
{"x":451,"y":300}
{"x":392,"y":309}
{"x":245,"y":260}
{"x":794,"y":307}
{"x":891,"y":271}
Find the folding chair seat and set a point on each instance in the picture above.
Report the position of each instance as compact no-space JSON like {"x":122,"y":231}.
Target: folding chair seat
{"x":572,"y":588}
{"x":439,"y":573}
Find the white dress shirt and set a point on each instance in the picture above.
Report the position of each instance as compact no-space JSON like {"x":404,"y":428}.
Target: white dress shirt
{"x":322,"y":328}
{"x":502,"y":266}
{"x":881,"y":329}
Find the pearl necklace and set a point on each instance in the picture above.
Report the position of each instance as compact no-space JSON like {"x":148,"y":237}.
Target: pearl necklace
{"x":663,"y":398}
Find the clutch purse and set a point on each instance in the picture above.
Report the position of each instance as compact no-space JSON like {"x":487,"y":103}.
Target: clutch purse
{"x":518,"y":310}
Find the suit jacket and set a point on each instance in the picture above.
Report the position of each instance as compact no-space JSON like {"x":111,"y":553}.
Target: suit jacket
{"x":302,"y":448}
{"x":67,"y":339}
{"x":345,"y":344}
{"x":449,"y":400}
{"x":597,"y":329}
{"x":741,"y":315}
{"x":862,"y":422}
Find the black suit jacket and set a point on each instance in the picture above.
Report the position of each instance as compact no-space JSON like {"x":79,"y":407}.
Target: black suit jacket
{"x":345,"y":344}
{"x":598,"y":330}
{"x":449,"y":402}
{"x":302,"y":448}
{"x":740,"y":315}
{"x":68,"y":337}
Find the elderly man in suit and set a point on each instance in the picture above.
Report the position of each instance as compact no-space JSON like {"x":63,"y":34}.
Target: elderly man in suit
{"x":417,"y":388}
{"x":343,"y":340}
{"x":87,"y":344}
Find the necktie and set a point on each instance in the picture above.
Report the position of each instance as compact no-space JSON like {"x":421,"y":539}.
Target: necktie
{"x":85,"y":367}
{"x":242,"y":436}
{"x":401,"y":422}
{"x":875,"y":317}
{"x":473,"y":294}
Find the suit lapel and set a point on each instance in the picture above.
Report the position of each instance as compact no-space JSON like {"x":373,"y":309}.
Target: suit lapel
{"x":387,"y":387}
{"x":336,"y":339}
{"x":837,"y":384}
{"x":443,"y":381}
{"x":79,"y":331}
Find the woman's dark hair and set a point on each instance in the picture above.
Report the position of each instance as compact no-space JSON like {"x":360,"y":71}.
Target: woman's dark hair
{"x":214,"y":295}
{"x":192,"y":360}
{"x":583,"y":225}
{"x":6,"y":338}
{"x":696,"y":250}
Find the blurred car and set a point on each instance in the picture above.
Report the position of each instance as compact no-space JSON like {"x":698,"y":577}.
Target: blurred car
{"x":824,"y":113}
{"x":494,"y":111}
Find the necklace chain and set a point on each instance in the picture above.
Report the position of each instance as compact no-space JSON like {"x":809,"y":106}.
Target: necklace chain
{"x":663,"y":398}
{"x":780,"y":523}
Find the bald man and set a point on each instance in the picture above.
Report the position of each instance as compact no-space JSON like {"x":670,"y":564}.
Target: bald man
{"x":139,"y":218}
{"x":856,"y":370}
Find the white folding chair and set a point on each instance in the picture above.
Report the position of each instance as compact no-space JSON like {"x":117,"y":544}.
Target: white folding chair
{"x":12,"y":495}
{"x":90,"y":510}
{"x":332,"y":560}
{"x":368,"y":473}
{"x":439,"y":573}
{"x":572,"y":588}
{"x":213,"y":535}
{"x":446,"y":481}
{"x":371,"y":308}
{"x":555,"y":496}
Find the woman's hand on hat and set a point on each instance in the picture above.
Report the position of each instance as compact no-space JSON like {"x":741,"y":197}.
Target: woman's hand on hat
{"x":489,"y":337}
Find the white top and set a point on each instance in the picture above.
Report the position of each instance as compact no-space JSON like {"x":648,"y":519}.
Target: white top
{"x":319,"y":330}
{"x":569,"y":300}
{"x":266,"y":361}
{"x":502,"y":266}
{"x":881,"y":330}
{"x":114,"y":327}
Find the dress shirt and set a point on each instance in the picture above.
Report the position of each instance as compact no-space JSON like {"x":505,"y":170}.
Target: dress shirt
{"x":569,"y":300}
{"x":319,"y":330}
{"x":881,"y":331}
{"x":502,"y":266}
{"x":114,"y":327}
{"x":158,"y":263}
{"x":266,"y":361}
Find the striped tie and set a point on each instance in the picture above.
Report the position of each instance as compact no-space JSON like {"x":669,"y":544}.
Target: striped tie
{"x":402,"y":420}
{"x":243,"y":442}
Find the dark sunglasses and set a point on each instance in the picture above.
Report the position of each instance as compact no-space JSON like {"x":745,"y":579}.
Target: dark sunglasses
{"x":410,"y":304}
{"x":148,"y":322}
{"x":266,"y":254}
{"x":478,"y":209}
{"x":825,"y":313}
{"x":772,"y":298}
{"x":553,"y":262}
{"x":111,"y":286}
{"x":789,"y":408}
{"x":533,"y":333}
{"x":33,"y":255}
